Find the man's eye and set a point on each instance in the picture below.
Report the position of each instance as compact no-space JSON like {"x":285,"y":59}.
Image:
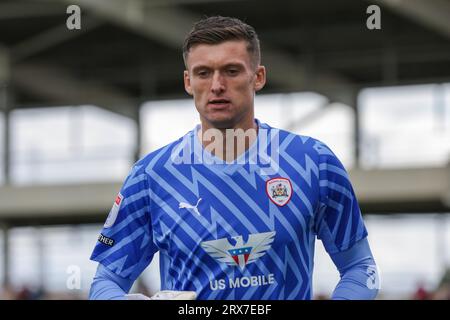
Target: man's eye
{"x":203,"y":73}
{"x":232,"y":72}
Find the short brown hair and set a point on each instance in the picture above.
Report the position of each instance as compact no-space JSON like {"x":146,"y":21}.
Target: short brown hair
{"x":218,"y":29}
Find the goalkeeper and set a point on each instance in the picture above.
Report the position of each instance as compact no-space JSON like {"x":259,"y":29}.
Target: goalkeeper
{"x":233,"y":220}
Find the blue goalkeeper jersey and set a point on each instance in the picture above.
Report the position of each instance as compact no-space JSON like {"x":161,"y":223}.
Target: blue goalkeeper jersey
{"x":240,"y":230}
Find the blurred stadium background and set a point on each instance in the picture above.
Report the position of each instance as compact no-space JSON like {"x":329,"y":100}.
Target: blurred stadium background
{"x":78,"y":107}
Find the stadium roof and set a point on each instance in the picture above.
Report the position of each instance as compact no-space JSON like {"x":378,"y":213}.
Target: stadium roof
{"x":129,"y":51}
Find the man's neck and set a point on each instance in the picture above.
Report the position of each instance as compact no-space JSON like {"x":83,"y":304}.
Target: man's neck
{"x":228,"y":143}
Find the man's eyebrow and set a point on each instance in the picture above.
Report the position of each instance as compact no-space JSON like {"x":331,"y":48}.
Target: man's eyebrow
{"x":234,"y":64}
{"x":199,"y":67}
{"x":228,"y":65}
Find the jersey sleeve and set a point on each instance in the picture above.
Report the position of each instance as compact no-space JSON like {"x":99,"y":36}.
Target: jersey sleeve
{"x":125,"y":245}
{"x":338,"y":221}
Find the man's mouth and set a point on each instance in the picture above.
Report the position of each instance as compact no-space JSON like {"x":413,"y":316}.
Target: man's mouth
{"x":218,"y":102}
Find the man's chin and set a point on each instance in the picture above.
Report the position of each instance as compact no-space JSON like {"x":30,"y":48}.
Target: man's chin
{"x":223,"y":123}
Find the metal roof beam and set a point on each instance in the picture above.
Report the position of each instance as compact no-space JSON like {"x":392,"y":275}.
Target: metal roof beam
{"x":56,"y":84}
{"x":432,"y":14}
{"x":168,"y":25}
{"x":50,"y":38}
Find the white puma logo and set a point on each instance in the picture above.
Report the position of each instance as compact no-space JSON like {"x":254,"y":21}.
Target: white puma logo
{"x":184,"y":205}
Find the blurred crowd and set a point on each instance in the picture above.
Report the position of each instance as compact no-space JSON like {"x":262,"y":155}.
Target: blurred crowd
{"x":441,"y":292}
{"x":30,"y":293}
{"x":39,"y":293}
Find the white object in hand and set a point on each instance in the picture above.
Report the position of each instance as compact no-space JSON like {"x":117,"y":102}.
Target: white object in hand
{"x":164,"y":295}
{"x":136,"y":296}
{"x":174,"y":295}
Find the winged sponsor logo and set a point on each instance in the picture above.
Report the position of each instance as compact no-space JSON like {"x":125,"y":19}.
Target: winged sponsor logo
{"x":240,"y":254}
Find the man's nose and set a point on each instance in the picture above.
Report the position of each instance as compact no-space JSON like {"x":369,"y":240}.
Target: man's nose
{"x":218,"y":84}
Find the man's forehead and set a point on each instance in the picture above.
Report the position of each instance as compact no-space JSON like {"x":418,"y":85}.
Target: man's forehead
{"x":232,"y":42}
{"x":227,"y":52}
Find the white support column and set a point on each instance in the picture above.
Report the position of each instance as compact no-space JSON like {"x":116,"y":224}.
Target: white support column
{"x":41,"y":259}
{"x":356,"y":131}
{"x":6,"y":255}
{"x":5,"y":107}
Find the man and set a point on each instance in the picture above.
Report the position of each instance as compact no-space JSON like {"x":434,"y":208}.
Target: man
{"x":234,"y":206}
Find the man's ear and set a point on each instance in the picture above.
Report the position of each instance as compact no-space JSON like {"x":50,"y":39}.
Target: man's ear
{"x":260,"y":79}
{"x":187,"y":82}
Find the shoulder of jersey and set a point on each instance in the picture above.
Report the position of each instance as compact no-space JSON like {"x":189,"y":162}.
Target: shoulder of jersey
{"x":308,"y":144}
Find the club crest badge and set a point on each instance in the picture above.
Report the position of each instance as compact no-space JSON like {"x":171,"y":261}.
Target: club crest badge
{"x":279,"y":190}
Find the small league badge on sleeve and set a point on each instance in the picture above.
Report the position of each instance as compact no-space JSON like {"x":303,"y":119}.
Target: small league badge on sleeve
{"x":112,"y":216}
